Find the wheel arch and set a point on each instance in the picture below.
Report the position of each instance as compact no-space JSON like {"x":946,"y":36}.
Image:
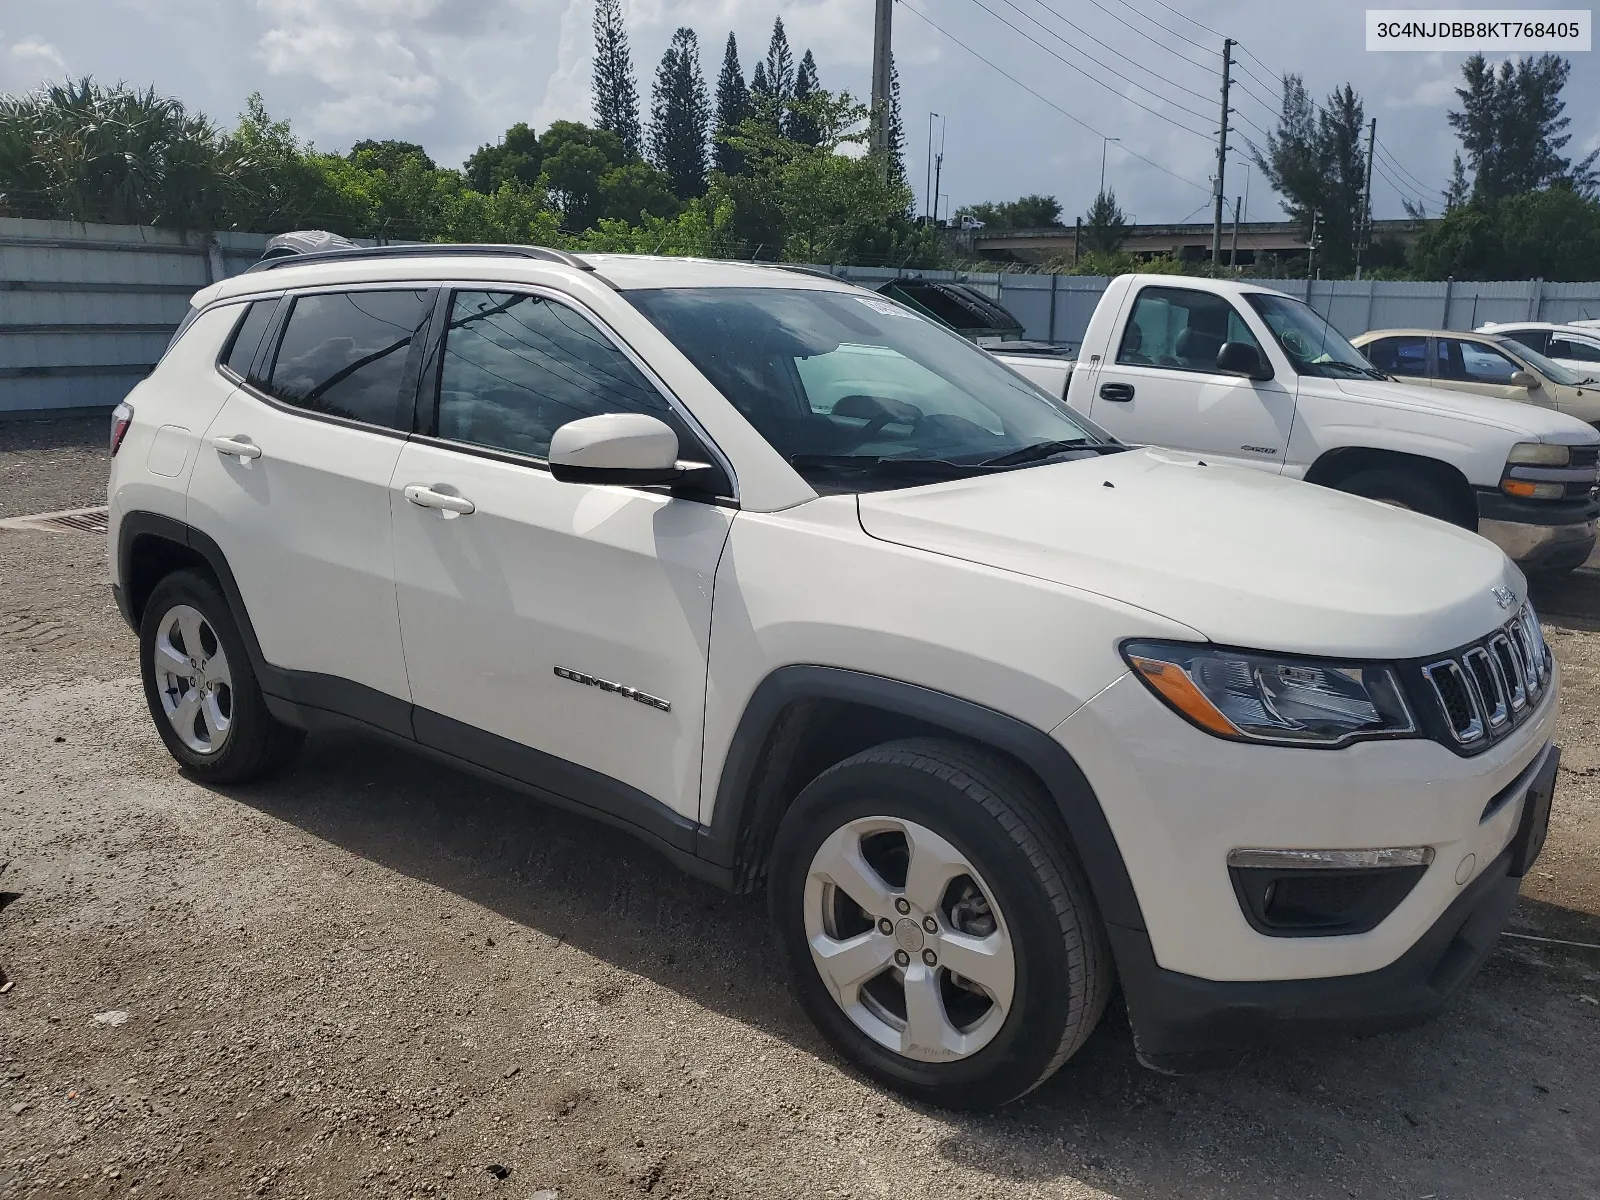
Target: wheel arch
{"x":1338,"y":464}
{"x":802,"y":719}
{"x":151,"y":546}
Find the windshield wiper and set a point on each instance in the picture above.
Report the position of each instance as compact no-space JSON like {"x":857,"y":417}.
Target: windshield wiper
{"x":1040,"y":451}
{"x":879,"y":465}
{"x":1364,"y":372}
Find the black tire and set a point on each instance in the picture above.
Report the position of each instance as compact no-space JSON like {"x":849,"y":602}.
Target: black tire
{"x":1000,"y":819}
{"x":257,"y":744}
{"x":1404,"y":489}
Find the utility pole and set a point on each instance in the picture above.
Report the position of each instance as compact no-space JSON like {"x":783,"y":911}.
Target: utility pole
{"x":1364,"y":234}
{"x":938,"y":166}
{"x":880,"y":80}
{"x":1077,"y":241}
{"x":1233,"y":251}
{"x":1222,"y":152}
{"x":927,"y":181}
{"x":1311,"y":248}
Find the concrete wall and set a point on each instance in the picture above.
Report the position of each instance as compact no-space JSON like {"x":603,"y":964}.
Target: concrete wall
{"x":85,"y":310}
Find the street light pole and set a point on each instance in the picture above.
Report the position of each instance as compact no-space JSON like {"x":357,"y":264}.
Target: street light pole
{"x":1104,"y":142}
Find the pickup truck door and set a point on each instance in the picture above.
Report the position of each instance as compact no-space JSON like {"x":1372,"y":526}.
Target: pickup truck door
{"x":555,"y":632}
{"x":1160,"y":386}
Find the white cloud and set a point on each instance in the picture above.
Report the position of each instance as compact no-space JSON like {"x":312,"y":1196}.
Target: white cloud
{"x":34,"y":60}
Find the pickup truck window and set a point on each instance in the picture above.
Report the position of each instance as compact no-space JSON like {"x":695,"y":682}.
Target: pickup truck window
{"x":1312,"y":345}
{"x":1553,"y":371}
{"x":858,"y":393}
{"x":1578,"y":349}
{"x":1181,"y":329}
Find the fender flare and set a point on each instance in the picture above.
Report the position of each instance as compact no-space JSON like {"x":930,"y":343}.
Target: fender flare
{"x":1061,"y":776}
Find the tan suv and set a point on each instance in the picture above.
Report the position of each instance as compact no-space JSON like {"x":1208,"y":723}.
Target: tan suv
{"x":1484,"y":363}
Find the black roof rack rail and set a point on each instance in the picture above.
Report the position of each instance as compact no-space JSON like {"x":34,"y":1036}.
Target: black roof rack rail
{"x":819,"y":272}
{"x":425,"y":250}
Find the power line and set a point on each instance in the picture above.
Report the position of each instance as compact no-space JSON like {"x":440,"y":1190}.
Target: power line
{"x":1409,"y":195}
{"x":1140,"y":66}
{"x":1076,"y":120}
{"x":1069,"y":63}
{"x":1153,"y":41}
{"x":1397,"y":165}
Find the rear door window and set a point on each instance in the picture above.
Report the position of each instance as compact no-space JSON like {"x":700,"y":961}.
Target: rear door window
{"x":1406,"y":356}
{"x":1533,"y":339}
{"x":247,"y":337}
{"x":343,"y":354}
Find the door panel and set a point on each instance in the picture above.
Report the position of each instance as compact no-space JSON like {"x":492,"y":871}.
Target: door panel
{"x":305,"y":527}
{"x":1161,"y":387}
{"x":610,"y":585}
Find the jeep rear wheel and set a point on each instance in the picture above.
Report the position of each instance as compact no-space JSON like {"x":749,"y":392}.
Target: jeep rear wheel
{"x":937,"y":928}
{"x":201,"y":688}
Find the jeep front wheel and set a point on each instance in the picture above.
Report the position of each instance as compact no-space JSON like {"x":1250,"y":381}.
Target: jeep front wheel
{"x":937,"y":928}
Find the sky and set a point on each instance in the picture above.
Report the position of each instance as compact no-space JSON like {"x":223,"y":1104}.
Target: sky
{"x":1060,"y":76}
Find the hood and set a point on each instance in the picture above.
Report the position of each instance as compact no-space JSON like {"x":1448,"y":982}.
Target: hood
{"x":1245,"y":558}
{"x":1527,"y":420}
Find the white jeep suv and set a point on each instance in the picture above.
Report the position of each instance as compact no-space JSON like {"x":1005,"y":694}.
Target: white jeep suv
{"x":816,"y":598}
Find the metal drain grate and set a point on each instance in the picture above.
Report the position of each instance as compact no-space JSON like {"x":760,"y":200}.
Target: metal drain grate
{"x":75,"y":520}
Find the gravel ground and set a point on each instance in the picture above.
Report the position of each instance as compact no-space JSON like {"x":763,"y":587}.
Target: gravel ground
{"x":374,"y":977}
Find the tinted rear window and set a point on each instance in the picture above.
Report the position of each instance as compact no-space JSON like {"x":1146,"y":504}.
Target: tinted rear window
{"x":344,"y":354}
{"x":247,"y":337}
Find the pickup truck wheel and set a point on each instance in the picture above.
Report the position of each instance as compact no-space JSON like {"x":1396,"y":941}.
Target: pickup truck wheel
{"x":201,"y":688}
{"x":1401,"y":489}
{"x":937,"y":928}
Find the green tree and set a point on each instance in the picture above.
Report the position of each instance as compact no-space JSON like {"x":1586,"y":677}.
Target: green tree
{"x":515,"y":158}
{"x":680,"y":116}
{"x":816,"y":204}
{"x":388,"y":155}
{"x":1025,"y":212}
{"x":616,"y":96}
{"x":1512,"y":129}
{"x":83,"y":152}
{"x":780,"y":69}
{"x":733,"y":109}
{"x":575,"y":158}
{"x":1105,"y":227}
{"x":635,"y":189}
{"x":1316,"y":162}
{"x":1551,"y":234}
{"x":800,"y":126}
{"x":897,"y":128}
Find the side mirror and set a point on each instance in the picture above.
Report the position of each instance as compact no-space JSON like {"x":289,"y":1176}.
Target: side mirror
{"x":625,"y":448}
{"x":1524,"y":379}
{"x":1241,"y":358}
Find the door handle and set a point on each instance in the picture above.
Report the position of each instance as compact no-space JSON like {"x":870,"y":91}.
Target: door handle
{"x":424,"y":496}
{"x":1120,"y":392}
{"x":240,"y":448}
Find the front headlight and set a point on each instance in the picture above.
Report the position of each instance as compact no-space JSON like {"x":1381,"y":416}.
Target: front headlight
{"x":1539,"y":454}
{"x":1273,"y":698}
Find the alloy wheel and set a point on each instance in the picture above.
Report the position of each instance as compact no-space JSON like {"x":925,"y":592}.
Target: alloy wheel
{"x":909,"y":939}
{"x":193,"y":679}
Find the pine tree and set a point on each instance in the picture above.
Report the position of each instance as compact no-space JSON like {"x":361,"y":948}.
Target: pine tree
{"x":1512,"y":128}
{"x":897,"y":128}
{"x":780,"y":72}
{"x":1105,"y":227}
{"x":801,"y":124}
{"x":733,"y":106}
{"x":763,"y":102}
{"x":616,"y":96}
{"x":680,"y":116}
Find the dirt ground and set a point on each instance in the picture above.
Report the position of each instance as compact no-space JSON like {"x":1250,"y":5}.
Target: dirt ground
{"x":373,"y":977}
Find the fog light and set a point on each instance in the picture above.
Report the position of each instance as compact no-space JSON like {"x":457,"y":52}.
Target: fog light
{"x":1321,"y":893}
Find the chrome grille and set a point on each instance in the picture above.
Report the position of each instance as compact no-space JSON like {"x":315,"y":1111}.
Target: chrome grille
{"x":1487,"y":688}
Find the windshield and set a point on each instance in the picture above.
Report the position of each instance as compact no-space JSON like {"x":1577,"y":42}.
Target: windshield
{"x":1314,"y":347}
{"x":1549,"y":368}
{"x":860,"y":393}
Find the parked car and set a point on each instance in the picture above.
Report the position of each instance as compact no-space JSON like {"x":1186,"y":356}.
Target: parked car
{"x":1569,"y":346}
{"x":1252,"y":377}
{"x":1484,"y":364}
{"x":816,"y":598}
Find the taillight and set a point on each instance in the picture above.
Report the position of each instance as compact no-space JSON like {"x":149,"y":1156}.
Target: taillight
{"x":121,"y":418}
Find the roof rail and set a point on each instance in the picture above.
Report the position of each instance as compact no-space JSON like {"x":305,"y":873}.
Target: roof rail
{"x":425,"y":250}
{"x":819,"y":272}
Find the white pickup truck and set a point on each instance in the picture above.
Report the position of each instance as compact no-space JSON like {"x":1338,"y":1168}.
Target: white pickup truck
{"x":1253,"y":377}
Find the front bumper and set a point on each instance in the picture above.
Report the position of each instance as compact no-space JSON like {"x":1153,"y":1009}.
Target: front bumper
{"x":1538,"y":535}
